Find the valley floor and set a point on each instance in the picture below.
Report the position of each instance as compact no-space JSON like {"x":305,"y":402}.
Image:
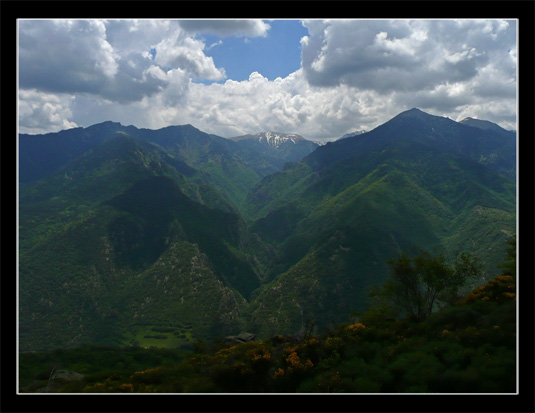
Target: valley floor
{"x":469,"y":347}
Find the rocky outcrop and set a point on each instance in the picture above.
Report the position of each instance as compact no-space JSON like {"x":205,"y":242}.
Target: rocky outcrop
{"x":56,"y":380}
{"x":243,"y":337}
{"x":66,"y":375}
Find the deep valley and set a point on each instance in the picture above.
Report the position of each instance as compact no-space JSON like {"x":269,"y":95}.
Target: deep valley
{"x":173,"y":237}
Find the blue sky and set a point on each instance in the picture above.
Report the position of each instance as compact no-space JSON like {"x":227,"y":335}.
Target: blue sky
{"x":317,"y":78}
{"x":276,"y":55}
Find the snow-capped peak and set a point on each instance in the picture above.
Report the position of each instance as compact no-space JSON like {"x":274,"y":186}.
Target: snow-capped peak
{"x":275,"y":139}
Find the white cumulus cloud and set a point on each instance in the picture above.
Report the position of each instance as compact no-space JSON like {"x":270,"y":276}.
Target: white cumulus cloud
{"x":41,"y":112}
{"x":402,"y":55}
{"x":355,"y":74}
{"x":186,"y":53}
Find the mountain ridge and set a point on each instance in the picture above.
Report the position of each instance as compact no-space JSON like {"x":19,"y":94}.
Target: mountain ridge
{"x":279,"y":147}
{"x":136,"y":229}
{"x":272,"y":138}
{"x":475,"y":142}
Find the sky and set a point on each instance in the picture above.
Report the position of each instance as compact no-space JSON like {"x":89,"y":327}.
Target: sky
{"x":318,"y":78}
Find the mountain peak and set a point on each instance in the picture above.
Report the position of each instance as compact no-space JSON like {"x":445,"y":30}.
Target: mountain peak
{"x":431,"y":121}
{"x":278,"y":138}
{"x":414,"y":110}
{"x":272,"y":139}
{"x":414,"y":113}
{"x":105,"y":124}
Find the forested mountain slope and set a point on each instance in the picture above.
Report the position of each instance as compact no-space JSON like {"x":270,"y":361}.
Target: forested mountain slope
{"x":99,"y":234}
{"x":417,"y":181}
{"x":161,"y":237}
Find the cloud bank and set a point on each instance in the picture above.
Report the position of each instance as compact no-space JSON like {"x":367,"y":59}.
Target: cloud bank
{"x":355,"y":74}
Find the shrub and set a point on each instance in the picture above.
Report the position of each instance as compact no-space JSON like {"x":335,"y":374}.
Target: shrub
{"x":500,"y":289}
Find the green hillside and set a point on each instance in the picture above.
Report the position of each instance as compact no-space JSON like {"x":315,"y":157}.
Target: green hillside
{"x":159,"y":238}
{"x":216,"y":162}
{"x":338,"y":225}
{"x":95,"y":234}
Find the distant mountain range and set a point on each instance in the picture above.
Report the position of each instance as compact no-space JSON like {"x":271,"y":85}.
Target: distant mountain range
{"x":278,"y":147}
{"x":232,"y":168}
{"x":160,"y":237}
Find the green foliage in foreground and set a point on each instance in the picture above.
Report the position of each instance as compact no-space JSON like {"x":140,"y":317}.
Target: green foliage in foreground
{"x":416,"y":283}
{"x":469,"y":347}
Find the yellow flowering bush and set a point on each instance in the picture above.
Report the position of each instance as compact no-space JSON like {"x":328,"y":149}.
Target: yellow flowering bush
{"x":126,"y":387}
{"x":354,"y":329}
{"x":147,"y":371}
{"x":293,"y":360}
{"x":97,"y":388}
{"x":333,"y":343}
{"x":510,"y":295}
{"x":278,"y":373}
{"x":260,"y":353}
{"x":501,"y":288}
